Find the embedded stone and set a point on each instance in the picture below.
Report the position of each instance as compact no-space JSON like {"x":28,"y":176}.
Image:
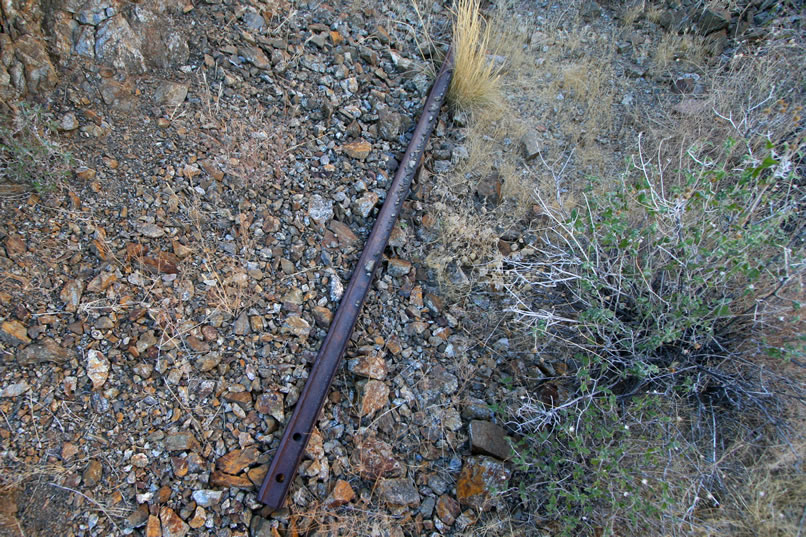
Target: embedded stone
{"x":481,"y":480}
{"x":399,"y":491}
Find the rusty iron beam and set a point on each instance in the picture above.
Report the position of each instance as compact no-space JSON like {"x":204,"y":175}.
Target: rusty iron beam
{"x":298,"y":430}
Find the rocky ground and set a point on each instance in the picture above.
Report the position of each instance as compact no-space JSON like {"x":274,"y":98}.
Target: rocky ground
{"x":161,"y":305}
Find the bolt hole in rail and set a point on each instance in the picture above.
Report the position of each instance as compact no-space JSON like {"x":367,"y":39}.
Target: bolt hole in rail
{"x":292,"y":444}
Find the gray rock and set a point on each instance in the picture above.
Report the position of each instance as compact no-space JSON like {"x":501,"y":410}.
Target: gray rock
{"x":171,"y":94}
{"x":40,"y":74}
{"x":253,"y":21}
{"x":399,"y":491}
{"x":14,"y":390}
{"x":427,"y":507}
{"x":95,"y":12}
{"x":711,"y":21}
{"x":364,"y":205}
{"x":181,"y":441}
{"x":476,"y":409}
{"x":320,"y":210}
{"x":241,"y":325}
{"x":260,"y":527}
{"x":116,"y":44}
{"x":530,"y":145}
{"x":68,"y":122}
{"x":487,"y":438}
{"x":206,"y":498}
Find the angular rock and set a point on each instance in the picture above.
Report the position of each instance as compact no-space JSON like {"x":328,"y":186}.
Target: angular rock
{"x":371,"y":365}
{"x":171,"y":94}
{"x":153,"y":528}
{"x":482,"y":479}
{"x":530,"y":145}
{"x":116,"y":44}
{"x":487,"y":438}
{"x":364,"y":205}
{"x":322,"y":316}
{"x":241,"y":326}
{"x":40,"y":75}
{"x":320,"y":210}
{"x":180,"y":441}
{"x":296,"y":325}
{"x":374,"y":397}
{"x":343,"y":233}
{"x":271,"y":403}
{"x":14,"y":390}
{"x":398,"y":267}
{"x":172,"y":525}
{"x":71,"y":295}
{"x":97,"y":368}
{"x":14,"y":333}
{"x":93,"y":473}
{"x":238,"y":459}
{"x":448,"y":509}
{"x":358,"y":150}
{"x":152,"y":231}
{"x":222,"y":479}
{"x":341,"y":494}
{"x":437,"y":382}
{"x":399,"y":491}
{"x":256,"y":57}
{"x":374,"y":459}
{"x":46,"y":350}
{"x":206,"y":498}
{"x":199,"y":518}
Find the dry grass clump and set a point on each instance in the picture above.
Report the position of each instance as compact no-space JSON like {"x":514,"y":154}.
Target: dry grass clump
{"x":475,"y":80}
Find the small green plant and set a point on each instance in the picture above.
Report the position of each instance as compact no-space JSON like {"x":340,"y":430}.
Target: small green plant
{"x":28,"y":153}
{"x":672,"y":283}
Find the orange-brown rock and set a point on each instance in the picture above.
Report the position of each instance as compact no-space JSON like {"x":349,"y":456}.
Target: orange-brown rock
{"x":359,"y":149}
{"x":374,"y":397}
{"x":220,"y":479}
{"x":373,"y":459}
{"x":342,"y":493}
{"x":238,"y":459}
{"x":153,"y":528}
{"x":481,"y":480}
{"x":172,"y":525}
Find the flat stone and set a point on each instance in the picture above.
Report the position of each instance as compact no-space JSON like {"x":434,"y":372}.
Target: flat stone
{"x":358,"y":150}
{"x":97,"y":368}
{"x":93,"y":473}
{"x":271,"y":403}
{"x":372,"y":365}
{"x":255,"y":56}
{"x":448,"y":509}
{"x":436,"y":382}
{"x":199,"y":518}
{"x":343,"y":233}
{"x":153,"y":528}
{"x":399,"y":491}
{"x":14,"y":333}
{"x":152,"y":231}
{"x":487,"y":438}
{"x":238,"y":459}
{"x":208,"y":362}
{"x":373,"y":459}
{"x":206,"y":497}
{"x":375,"y":396}
{"x":171,"y":94}
{"x":530,"y":145}
{"x":322,"y":316}
{"x":363,"y":206}
{"x":14,"y":390}
{"x":241,"y":325}
{"x":476,"y":409}
{"x":320,"y":210}
{"x":180,"y":441}
{"x":101,"y":282}
{"x":296,"y":325}
{"x":341,"y":494}
{"x":398,"y":267}
{"x":46,"y":350}
{"x":172,"y":525}
{"x":222,"y":479}
{"x":71,"y":294}
{"x":481,"y":480}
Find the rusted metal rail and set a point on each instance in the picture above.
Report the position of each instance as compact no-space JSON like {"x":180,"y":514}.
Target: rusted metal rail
{"x":298,"y":430}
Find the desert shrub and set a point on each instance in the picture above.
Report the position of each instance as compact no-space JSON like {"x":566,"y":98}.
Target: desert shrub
{"x":29,"y":153}
{"x":672,"y":283}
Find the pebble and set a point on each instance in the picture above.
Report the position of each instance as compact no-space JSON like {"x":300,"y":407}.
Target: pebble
{"x":68,"y":122}
{"x":400,"y":491}
{"x":374,"y":397}
{"x":358,"y":150}
{"x":487,"y":438}
{"x":97,"y":368}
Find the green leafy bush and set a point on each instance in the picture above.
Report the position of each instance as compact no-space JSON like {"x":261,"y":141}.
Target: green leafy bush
{"x":671,"y":283}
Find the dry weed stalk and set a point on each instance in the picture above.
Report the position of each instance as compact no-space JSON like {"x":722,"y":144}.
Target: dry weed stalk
{"x":475,"y":80}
